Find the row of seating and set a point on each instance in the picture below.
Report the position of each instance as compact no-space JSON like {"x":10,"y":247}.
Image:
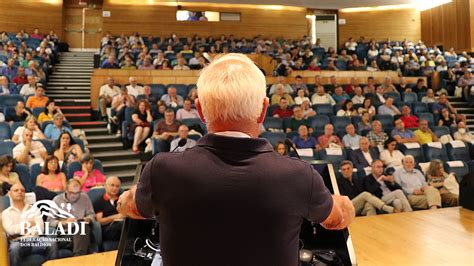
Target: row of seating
{"x":6,"y":147}
{"x":7,"y":130}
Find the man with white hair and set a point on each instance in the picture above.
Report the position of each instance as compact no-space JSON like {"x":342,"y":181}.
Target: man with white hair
{"x":280,"y":80}
{"x":106,"y":210}
{"x":413,"y":182}
{"x":228,"y":181}
{"x":133,"y":88}
{"x":30,"y":88}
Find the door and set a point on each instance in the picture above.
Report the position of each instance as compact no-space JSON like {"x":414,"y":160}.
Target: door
{"x":78,"y":19}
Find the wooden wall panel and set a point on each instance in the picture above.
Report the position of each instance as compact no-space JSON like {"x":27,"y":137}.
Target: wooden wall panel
{"x":450,"y":25}
{"x":30,"y":14}
{"x":380,"y":25}
{"x":161,"y":21}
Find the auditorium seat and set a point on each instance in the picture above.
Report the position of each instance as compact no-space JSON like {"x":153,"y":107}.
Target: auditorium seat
{"x":46,"y":123}
{"x":459,"y":168}
{"x":273,"y":123}
{"x":410,"y":97}
{"x":181,"y":89}
{"x":273,"y":137}
{"x":6,"y":148}
{"x":334,"y":156}
{"x":5,"y":131}
{"x":77,"y":166}
{"x":458,"y":150}
{"x":23,"y":172}
{"x":35,"y":171}
{"x":10,"y":100}
{"x":324,"y":109}
{"x":416,"y":152}
{"x":319,"y":121}
{"x":271,"y":109}
{"x":386,"y":120}
{"x":37,"y":111}
{"x":435,"y":150}
{"x":394,"y":95}
{"x":441,"y":131}
{"x":48,"y":144}
{"x":428,"y":117}
{"x":15,"y":125}
{"x":340,"y":122}
{"x":158,"y":90}
{"x":159,"y":145}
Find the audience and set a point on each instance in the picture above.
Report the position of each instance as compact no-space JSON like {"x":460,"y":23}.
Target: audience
{"x":172,"y":99}
{"x":52,"y":131}
{"x":183,"y":133}
{"x":280,"y":93}
{"x":410,"y":121}
{"x":106,"y":93}
{"x":7,"y":177}
{"x":119,"y":103}
{"x":49,"y":112}
{"x":391,"y":156}
{"x":367,"y":107}
{"x":167,"y":128}
{"x":20,"y":115}
{"x":419,"y":193}
{"x":321,"y":97}
{"x":38,"y":99}
{"x":31,"y":124}
{"x":133,"y":88}
{"x":106,"y":210}
{"x":401,"y":134}
{"x":444,"y":182}
{"x":283,"y":111}
{"x":89,"y":177}
{"x":424,"y":133}
{"x":51,"y":177}
{"x":364,"y":156}
{"x":377,"y":136}
{"x":388,"y":108}
{"x":347,"y":109}
{"x":281,"y":149}
{"x":30,"y":88}
{"x":297,"y":120}
{"x":28,"y":151}
{"x":304,"y":140}
{"x":141,"y":127}
{"x":351,"y":139}
{"x":446,"y":119}
{"x":463,"y":133}
{"x":364,"y":123}
{"x":328,"y":139}
{"x":67,"y":150}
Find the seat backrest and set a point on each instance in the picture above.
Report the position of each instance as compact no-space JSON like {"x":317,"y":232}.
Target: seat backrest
{"x":24,"y":173}
{"x":418,"y":153}
{"x":441,"y":130}
{"x":35,"y":170}
{"x":340,"y":122}
{"x":394,"y":95}
{"x":432,"y":152}
{"x":48,"y":145}
{"x":11,"y":100}
{"x":37,"y":111}
{"x":458,"y":151}
{"x":324,"y":109}
{"x":158,"y":90}
{"x":159,"y":145}
{"x":428,"y":117}
{"x":319,"y":121}
{"x":419,"y":108}
{"x":273,"y":137}
{"x":15,"y":125}
{"x":6,"y":148}
{"x":386,"y":120}
{"x":5,"y":132}
{"x":334,"y":159}
{"x":459,"y":171}
{"x":128,"y":114}
{"x":273,"y":123}
{"x":410,"y":97}
{"x":181,"y":89}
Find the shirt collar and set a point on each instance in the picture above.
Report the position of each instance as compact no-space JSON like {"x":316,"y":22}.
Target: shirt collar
{"x":220,"y":141}
{"x":235,"y":134}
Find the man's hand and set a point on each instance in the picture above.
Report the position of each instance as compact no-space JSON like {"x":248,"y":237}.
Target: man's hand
{"x":418,"y":192}
{"x":341,"y":215}
{"x":126,"y":204}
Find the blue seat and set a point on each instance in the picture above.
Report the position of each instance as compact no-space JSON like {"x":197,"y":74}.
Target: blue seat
{"x":158,"y":90}
{"x":273,"y":123}
{"x":159,"y":145}
{"x":35,"y":171}
{"x":410,"y":97}
{"x":271,"y":109}
{"x":181,"y":89}
{"x":48,"y":144}
{"x":6,"y":148}
{"x":441,"y":131}
{"x":319,"y":121}
{"x":415,"y":152}
{"x":76,"y":166}
{"x":419,"y":108}
{"x":324,"y":109}
{"x":5,"y":132}
{"x":334,"y":159}
{"x":435,"y":153}
{"x":428,"y":117}
{"x":340,"y":122}
{"x":394,"y":95}
{"x":458,"y":153}
{"x":37,"y":111}
{"x":24,"y":173}
{"x":15,"y":125}
{"x":459,"y":171}
{"x":191,"y":121}
{"x":273,"y":137}
{"x":386,"y":120}
{"x":10,"y":100}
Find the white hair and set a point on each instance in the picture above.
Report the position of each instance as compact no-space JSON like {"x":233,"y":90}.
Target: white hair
{"x":231,"y":88}
{"x":409,"y":156}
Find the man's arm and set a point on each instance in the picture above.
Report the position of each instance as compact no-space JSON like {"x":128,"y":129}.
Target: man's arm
{"x":341,"y":215}
{"x":127,"y":205}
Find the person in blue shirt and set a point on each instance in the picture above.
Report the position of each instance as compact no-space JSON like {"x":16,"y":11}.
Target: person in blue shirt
{"x":340,"y":96}
{"x":303,"y":140}
{"x":110,"y":62}
{"x":53,"y":131}
{"x":401,"y":134}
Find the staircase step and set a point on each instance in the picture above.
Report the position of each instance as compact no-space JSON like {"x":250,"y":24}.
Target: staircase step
{"x":89,"y":124}
{"x":113,"y":146}
{"x":53,"y":76}
{"x":69,"y":97}
{"x":82,"y":117}
{"x":69,"y":83}
{"x":62,"y":88}
{"x":103,"y":138}
{"x":120,"y":165}
{"x":126,"y":177}
{"x":75,"y":64}
{"x":71,"y":102}
{"x":96,"y":131}
{"x":62,"y":92}
{"x":74,"y":79}
{"x":113,"y":155}
{"x":69,"y":73}
{"x":73,"y":110}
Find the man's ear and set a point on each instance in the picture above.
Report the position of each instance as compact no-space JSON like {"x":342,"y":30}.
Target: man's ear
{"x":199,"y":109}
{"x":266,"y":102}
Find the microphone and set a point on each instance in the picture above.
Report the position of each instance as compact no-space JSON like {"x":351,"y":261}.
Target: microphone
{"x":290,"y":143}
{"x":181,"y":143}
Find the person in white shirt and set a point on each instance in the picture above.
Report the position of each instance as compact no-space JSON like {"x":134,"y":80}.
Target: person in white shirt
{"x":280,"y":80}
{"x":172,"y":99}
{"x":321,"y":97}
{"x":28,"y":151}
{"x":22,"y":231}
{"x":195,"y":59}
{"x":351,"y":139}
{"x":181,"y":64}
{"x":350,"y":45}
{"x":390,"y":156}
{"x":183,"y":133}
{"x":358,"y":96}
{"x":301,"y":97}
{"x":30,"y":88}
{"x":106,"y":94}
{"x":187,"y":112}
{"x":133,"y":88}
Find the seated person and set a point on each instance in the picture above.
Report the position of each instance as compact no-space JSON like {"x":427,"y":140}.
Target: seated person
{"x":424,"y":133}
{"x":463,"y":133}
{"x":328,"y":138}
{"x":110,"y":62}
{"x":49,"y":112}
{"x":88,"y":177}
{"x":183,"y":133}
{"x":340,"y":96}
{"x":107,"y":92}
{"x":388,"y":108}
{"x":51,"y":177}
{"x":20,"y":115}
{"x":133,"y":88}
{"x":147,"y":95}
{"x":106,"y":210}
{"x":280,"y":93}
{"x":13,"y":219}
{"x":321,"y":97}
{"x":438,"y":178}
{"x":120,"y":102}
{"x":347,"y":109}
{"x":364,"y":156}
{"x":167,"y":128}
{"x":67,"y":151}
{"x":308,"y":111}
{"x":301,"y":97}
{"x":20,"y":78}
{"x":367,"y":107}
{"x":280,"y":80}
{"x":281,"y":149}
{"x":410,"y":121}
{"x":187,"y":112}
{"x":172,"y":99}
{"x":391,"y":156}
{"x":79,"y":205}
{"x":378,"y":98}
{"x":385,"y":188}
{"x":38,"y":99}
{"x":443,"y":102}
{"x":297,"y":120}
{"x":351,"y":139}
{"x":300,"y":85}
{"x":30,"y":88}
{"x":429,"y":98}
{"x":7,"y":177}
{"x":52,"y":131}
{"x":419,"y":194}
{"x":283,"y":111}
{"x":446,"y":119}
{"x":141,"y":126}
{"x":28,"y":151}
{"x":181,"y":64}
{"x":364,"y":123}
{"x":303,"y":140}
{"x":364,"y":202}
{"x":401,"y":134}
{"x":31,"y":124}
{"x":358,"y":97}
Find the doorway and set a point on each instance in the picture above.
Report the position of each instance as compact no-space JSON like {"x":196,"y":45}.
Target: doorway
{"x":83,"y":27}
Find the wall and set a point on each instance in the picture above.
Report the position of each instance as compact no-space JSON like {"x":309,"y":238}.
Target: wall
{"x":159,"y":20}
{"x":29,"y":14}
{"x":450,"y":25}
{"x":380,"y":25}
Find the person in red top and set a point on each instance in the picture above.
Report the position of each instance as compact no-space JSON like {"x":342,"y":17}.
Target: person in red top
{"x":283,"y":111}
{"x":20,"y":78}
{"x":89,"y":177}
{"x":325,"y":140}
{"x":350,"y":88}
{"x":408,"y":119}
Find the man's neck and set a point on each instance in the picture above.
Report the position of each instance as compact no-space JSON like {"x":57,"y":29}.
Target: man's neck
{"x":19,"y":205}
{"x":247,"y":127}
